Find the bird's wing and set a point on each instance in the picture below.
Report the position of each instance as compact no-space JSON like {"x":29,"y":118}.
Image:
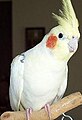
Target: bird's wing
{"x":16,"y":81}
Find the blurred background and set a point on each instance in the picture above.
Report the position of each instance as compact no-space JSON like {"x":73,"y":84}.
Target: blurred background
{"x":20,"y":19}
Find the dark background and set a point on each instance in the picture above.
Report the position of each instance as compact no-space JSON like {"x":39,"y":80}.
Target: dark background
{"x":5,"y":53}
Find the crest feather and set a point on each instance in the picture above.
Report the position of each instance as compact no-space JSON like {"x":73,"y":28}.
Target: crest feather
{"x":66,"y":15}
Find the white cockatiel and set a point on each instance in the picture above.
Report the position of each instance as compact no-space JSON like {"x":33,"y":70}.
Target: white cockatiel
{"x":39,"y":75}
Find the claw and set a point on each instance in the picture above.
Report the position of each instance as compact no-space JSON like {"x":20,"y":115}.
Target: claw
{"x":28,"y":113}
{"x":47,"y":109}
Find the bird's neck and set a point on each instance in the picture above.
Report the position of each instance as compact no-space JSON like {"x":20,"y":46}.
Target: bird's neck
{"x":51,"y":59}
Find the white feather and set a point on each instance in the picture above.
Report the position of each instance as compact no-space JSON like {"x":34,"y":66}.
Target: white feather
{"x":16,"y":82}
{"x":37,"y":81}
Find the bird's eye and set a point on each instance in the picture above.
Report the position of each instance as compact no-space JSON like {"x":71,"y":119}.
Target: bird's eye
{"x":73,"y":37}
{"x":60,"y":35}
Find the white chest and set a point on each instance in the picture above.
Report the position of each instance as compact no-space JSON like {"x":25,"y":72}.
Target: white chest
{"x":42,"y":79}
{"x":43,"y":76}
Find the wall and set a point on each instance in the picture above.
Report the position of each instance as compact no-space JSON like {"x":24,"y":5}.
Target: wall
{"x":35,"y":13}
{"x":4,"y":0}
{"x":28,"y":13}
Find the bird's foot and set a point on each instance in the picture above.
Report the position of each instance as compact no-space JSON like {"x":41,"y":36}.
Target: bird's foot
{"x":28,"y":113}
{"x":47,"y":109}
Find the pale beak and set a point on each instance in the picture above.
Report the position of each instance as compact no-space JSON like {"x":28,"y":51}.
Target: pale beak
{"x":73,"y":44}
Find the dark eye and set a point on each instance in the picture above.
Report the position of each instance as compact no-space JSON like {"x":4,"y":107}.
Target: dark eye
{"x":73,"y":37}
{"x":60,"y":35}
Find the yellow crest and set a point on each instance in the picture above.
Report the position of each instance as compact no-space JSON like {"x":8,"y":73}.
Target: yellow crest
{"x":67,"y":15}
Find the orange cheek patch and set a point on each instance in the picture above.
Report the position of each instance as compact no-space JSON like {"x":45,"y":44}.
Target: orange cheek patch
{"x":51,"y":42}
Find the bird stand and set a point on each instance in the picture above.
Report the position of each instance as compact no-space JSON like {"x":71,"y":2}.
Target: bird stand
{"x":67,"y":103}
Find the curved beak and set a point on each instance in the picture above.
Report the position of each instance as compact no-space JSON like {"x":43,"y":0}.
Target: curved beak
{"x":73,"y":45}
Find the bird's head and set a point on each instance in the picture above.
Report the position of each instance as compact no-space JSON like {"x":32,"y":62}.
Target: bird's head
{"x":62,"y":40}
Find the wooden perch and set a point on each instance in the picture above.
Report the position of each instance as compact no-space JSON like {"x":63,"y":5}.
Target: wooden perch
{"x":62,"y":106}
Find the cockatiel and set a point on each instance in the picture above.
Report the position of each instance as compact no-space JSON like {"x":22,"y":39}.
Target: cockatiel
{"x":39,"y":75}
